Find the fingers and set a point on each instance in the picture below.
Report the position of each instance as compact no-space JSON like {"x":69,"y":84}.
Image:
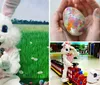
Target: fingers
{"x":93,"y":4}
{"x":80,"y":7}
{"x":63,"y":5}
{"x":95,"y":29}
{"x":88,"y":21}
{"x":70,"y":3}
{"x":87,"y":24}
{"x":61,"y":25}
{"x":87,"y":7}
{"x":56,"y":20}
{"x":76,"y":1}
{"x":56,"y":34}
{"x":96,"y":16}
{"x":83,"y":6}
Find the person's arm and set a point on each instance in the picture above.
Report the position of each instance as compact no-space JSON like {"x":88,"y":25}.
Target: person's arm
{"x":9,"y":7}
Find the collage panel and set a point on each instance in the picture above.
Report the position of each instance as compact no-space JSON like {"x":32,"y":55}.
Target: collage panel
{"x":75,"y":20}
{"x":74,"y":60}
{"x":24,"y":41}
{"x":74,"y":63}
{"x":49,"y":42}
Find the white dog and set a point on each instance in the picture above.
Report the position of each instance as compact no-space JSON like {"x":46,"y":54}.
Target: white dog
{"x":9,"y":61}
{"x":69,"y":53}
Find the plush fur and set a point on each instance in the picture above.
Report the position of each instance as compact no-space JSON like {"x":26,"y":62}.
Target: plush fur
{"x":69,"y":53}
{"x":12,"y":37}
{"x":9,"y":61}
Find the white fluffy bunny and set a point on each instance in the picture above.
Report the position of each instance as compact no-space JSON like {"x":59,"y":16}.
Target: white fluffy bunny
{"x":69,"y":52}
{"x":9,"y":38}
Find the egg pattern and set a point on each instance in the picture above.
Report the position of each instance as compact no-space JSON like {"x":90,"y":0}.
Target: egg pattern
{"x":74,"y":21}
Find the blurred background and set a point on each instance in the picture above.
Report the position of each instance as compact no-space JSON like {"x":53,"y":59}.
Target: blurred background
{"x":88,"y":58}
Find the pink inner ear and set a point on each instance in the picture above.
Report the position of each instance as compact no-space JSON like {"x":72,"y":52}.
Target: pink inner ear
{"x":9,"y":7}
{"x":64,"y":46}
{"x":7,"y":12}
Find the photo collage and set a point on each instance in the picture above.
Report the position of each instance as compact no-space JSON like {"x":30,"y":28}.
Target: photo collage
{"x":49,"y":42}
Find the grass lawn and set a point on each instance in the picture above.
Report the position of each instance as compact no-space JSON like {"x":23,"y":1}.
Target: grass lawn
{"x":34,"y":43}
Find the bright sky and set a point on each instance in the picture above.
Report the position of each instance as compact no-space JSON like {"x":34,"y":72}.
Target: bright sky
{"x":32,"y":9}
{"x":36,"y":9}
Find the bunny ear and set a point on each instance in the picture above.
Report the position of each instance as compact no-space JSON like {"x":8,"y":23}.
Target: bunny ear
{"x":9,"y":7}
{"x":65,"y":43}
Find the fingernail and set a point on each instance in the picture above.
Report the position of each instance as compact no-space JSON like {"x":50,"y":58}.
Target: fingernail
{"x":73,"y":0}
{"x":60,"y":30}
{"x":97,"y":13}
{"x":76,"y":5}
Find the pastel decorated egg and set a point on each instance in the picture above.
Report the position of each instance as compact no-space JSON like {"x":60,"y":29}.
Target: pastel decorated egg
{"x":74,"y":21}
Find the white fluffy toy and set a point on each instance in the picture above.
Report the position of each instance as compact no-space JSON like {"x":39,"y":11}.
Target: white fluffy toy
{"x":9,"y":61}
{"x":69,"y":52}
{"x":9,"y":38}
{"x":93,"y":77}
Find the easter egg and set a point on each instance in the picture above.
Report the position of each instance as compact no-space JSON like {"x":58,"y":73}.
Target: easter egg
{"x":41,"y":82}
{"x":74,"y":21}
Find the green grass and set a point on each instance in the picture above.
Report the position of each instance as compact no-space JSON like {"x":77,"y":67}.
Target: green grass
{"x":34,"y":43}
{"x":28,"y":28}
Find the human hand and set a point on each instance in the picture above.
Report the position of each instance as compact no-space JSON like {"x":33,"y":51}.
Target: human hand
{"x":92,"y":32}
{"x":57,"y":30}
{"x":57,"y":26}
{"x":92,"y":21}
{"x":86,"y":7}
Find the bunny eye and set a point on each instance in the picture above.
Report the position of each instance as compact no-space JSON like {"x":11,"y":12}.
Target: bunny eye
{"x":66,"y":49}
{"x":4,"y":28}
{"x":95,"y":75}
